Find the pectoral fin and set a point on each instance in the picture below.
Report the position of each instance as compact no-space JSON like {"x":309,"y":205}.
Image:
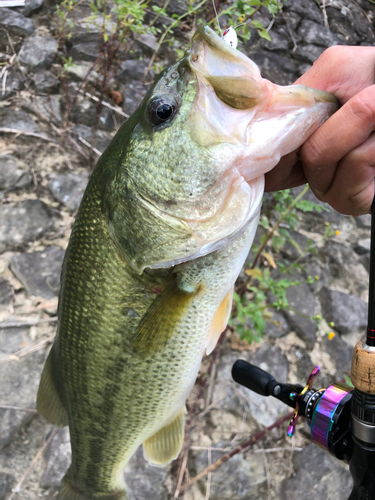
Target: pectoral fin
{"x":158,"y":324}
{"x":220,"y":322}
{"x":48,"y":401}
{"x":166,"y":444}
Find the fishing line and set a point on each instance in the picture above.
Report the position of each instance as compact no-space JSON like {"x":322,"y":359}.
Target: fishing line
{"x":217,"y":18}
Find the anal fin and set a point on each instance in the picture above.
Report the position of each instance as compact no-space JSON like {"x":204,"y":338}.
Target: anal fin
{"x":166,"y":444}
{"x":48,"y":401}
{"x":220,"y":322}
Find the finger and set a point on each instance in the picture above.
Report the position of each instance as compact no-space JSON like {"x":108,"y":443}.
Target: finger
{"x":347,"y":129}
{"x":288,"y":173}
{"x":352,"y":190}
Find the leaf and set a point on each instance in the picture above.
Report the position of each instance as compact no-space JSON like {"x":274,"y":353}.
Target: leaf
{"x":254,"y":273}
{"x":270,"y":259}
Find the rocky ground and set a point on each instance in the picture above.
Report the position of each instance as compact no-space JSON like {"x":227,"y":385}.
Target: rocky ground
{"x":44,"y":167}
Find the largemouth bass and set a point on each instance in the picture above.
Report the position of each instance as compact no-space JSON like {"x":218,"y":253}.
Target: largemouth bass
{"x":164,"y":227}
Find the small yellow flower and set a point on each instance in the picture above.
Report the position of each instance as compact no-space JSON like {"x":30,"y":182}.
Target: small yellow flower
{"x":327,"y":223}
{"x":337,"y":232}
{"x":316,"y":278}
{"x":331,"y":335}
{"x":332,"y":324}
{"x":240,"y":19}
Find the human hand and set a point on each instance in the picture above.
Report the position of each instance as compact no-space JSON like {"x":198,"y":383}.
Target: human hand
{"x":338,"y":160}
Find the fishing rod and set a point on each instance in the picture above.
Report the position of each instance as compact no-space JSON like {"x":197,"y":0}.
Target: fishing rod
{"x":341,"y":418}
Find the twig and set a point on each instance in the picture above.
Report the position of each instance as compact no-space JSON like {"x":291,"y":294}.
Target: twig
{"x":29,"y":348}
{"x":246,"y":444}
{"x":30,"y":322}
{"x":209,"y":476}
{"x":106,"y":104}
{"x":17,"y":488}
{"x":181,"y":475}
{"x":96,"y":151}
{"x":295,"y":46}
{"x":325,"y":14}
{"x":18,"y":408}
{"x":6,"y":130}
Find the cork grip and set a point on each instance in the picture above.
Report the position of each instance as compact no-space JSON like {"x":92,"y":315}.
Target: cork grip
{"x":363,"y":368}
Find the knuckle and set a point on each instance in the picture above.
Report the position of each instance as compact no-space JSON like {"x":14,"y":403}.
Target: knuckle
{"x":362,"y":105}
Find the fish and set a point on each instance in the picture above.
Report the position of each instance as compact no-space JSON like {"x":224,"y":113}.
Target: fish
{"x":163,"y":230}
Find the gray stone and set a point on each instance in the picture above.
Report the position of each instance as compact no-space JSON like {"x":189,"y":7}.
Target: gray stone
{"x":275,"y":67}
{"x":19,"y":382}
{"x":178,"y":7}
{"x":148,"y":43}
{"x":69,"y":188}
{"x":15,"y":22}
{"x":6,"y":484}
{"x":18,"y":120}
{"x":85,"y":51}
{"x":51,"y":106}
{"x":296,"y":245}
{"x":13,"y":174}
{"x":23,"y":222}
{"x":319,"y":273}
{"x":38,"y":52}
{"x":276,"y":327}
{"x":31,"y":6}
{"x":131,"y":70}
{"x":82,"y":70}
{"x":318,"y":475}
{"x":340,"y":353}
{"x":308,"y":53}
{"x":240,"y":478}
{"x":132,"y":94}
{"x":45,"y":81}
{"x":363,"y":220}
{"x":56,"y":460}
{"x":366,"y":261}
{"x":348,"y":312}
{"x":280,"y":40}
{"x":85,"y":112}
{"x":303,"y":304}
{"x":85,"y":29}
{"x":305,"y":9}
{"x":39,"y":272}
{"x":363,"y":246}
{"x":143,"y":480}
{"x":102,"y":139}
{"x":14,"y":82}
{"x":312,"y":33}
{"x":6,"y":292}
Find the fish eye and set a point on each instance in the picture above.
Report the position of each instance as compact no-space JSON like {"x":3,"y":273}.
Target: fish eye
{"x":160,"y":110}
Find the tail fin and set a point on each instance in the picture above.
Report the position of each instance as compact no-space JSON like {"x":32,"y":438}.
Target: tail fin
{"x":69,"y":492}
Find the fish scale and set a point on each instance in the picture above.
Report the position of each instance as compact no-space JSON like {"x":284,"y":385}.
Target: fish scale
{"x":163,"y":230}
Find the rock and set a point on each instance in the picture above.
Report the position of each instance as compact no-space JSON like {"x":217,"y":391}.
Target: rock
{"x":131,"y":70}
{"x":23,"y":222}
{"x":301,"y":299}
{"x":51,"y":106}
{"x":275,"y":67}
{"x":85,"y":112}
{"x":19,"y":382}
{"x":365,"y":261}
{"x":15,"y":22}
{"x":6,"y":292}
{"x":6,"y":484}
{"x":80,"y":71}
{"x":364,"y":220}
{"x":39,"y":272}
{"x":85,"y":29}
{"x":85,"y":51}
{"x":280,"y":41}
{"x":318,"y":475}
{"x":148,"y":43}
{"x":340,"y":353}
{"x":308,"y":53}
{"x":310,"y":32}
{"x":13,"y":174}
{"x":38,"y":52}
{"x":305,"y":9}
{"x":363,"y":246}
{"x":102,"y":139}
{"x":31,"y":6}
{"x":69,"y":188}
{"x":132,"y":94}
{"x":277,"y":327}
{"x":240,"y":478}
{"x":348,"y":312}
{"x":14,"y":82}
{"x":178,"y":7}
{"x":45,"y":81}
{"x":18,"y":120}
{"x":56,"y":460}
{"x":319,"y":273}
{"x":296,"y":246}
{"x":143,"y":480}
